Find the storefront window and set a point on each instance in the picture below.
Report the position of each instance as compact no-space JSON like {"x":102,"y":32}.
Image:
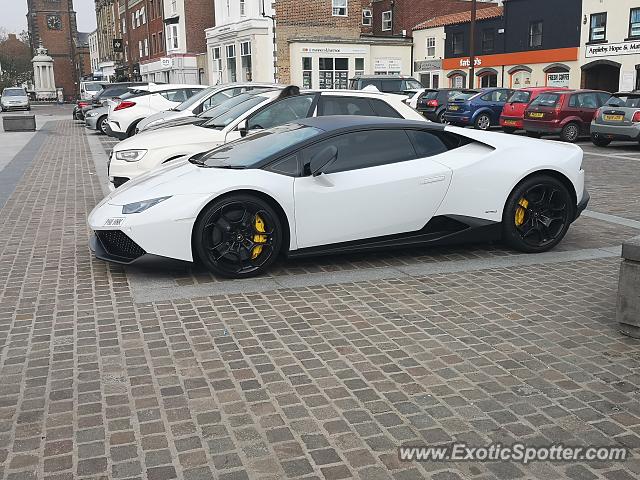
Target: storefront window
{"x":598,"y":27}
{"x":435,"y":80}
{"x":457,"y":81}
{"x":245,"y":60}
{"x":231,"y":64}
{"x":521,"y":79}
{"x":216,"y":55}
{"x":307,"y":72}
{"x":334,"y":73}
{"x":488,"y":80}
{"x":359,"y":66}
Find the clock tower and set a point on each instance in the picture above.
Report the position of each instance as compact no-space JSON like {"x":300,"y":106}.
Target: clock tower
{"x":52,"y":24}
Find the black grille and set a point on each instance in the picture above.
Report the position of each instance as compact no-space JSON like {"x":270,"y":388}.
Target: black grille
{"x":116,"y":243}
{"x":117,"y":181}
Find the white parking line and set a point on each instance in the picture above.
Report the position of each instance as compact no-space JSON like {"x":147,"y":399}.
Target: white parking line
{"x":586,"y":152}
{"x":627,"y":222}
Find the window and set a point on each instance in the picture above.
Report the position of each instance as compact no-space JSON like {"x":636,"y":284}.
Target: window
{"x":339,"y":8}
{"x":307,"y":72}
{"x":383,"y":109}
{"x":231,"y":64}
{"x":387,"y":21}
{"x":137,"y":18}
{"x":174,"y":6}
{"x":172,"y":37}
{"x":334,"y":73}
{"x":584,"y":100}
{"x":634,"y":22}
{"x":329,"y":105}
{"x":359,"y":66}
{"x":457,"y":81}
{"x":175,"y":95}
{"x":436,"y":80}
{"x":216,"y":55}
{"x":133,"y":21}
{"x":281,"y":112}
{"x":242,"y":8}
{"x":365,"y":150}
{"x":143,"y":16}
{"x":160,"y":42}
{"x":431,"y":46}
{"x":427,"y":144}
{"x":488,"y":40}
{"x":535,"y":34}
{"x":521,"y":79}
{"x":245,"y":61}
{"x":123,"y":24}
{"x":496,"y":95}
{"x":367,"y":17}
{"x":458,"y":43}
{"x":140,"y":51}
{"x":488,"y":80}
{"x":146,"y":47}
{"x":598,"y":27}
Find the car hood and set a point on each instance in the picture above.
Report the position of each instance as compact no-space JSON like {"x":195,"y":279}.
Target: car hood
{"x":155,"y":139}
{"x":165,"y":115}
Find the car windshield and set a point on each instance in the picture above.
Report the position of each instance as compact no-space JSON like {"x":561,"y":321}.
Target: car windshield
{"x":134,"y":93}
{"x":14,"y":92}
{"x":92,"y":87}
{"x":195,"y":99}
{"x":225,"y":114}
{"x":248,"y":151}
{"x":546,"y":100}
{"x":430,"y":95}
{"x":624,"y":100}
{"x":462,"y":96}
{"x":520,"y":96}
{"x":412,"y":85}
{"x":113,"y":92}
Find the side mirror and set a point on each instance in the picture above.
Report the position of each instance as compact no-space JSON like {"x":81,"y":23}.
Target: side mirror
{"x":242,"y":128}
{"x":323,"y":158}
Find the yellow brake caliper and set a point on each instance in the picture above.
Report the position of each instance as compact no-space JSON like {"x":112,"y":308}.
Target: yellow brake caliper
{"x":521,"y":211}
{"x":258,"y":238}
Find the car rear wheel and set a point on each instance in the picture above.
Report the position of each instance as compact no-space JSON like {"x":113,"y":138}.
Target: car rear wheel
{"x":570,"y":132}
{"x":509,"y":129}
{"x":238,"y":236}
{"x":537,"y":214}
{"x":483,"y":122}
{"x":102,"y":124}
{"x":599,"y":141}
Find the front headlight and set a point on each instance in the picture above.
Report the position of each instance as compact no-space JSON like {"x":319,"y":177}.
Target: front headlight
{"x":131,"y":155}
{"x":138,"y":207}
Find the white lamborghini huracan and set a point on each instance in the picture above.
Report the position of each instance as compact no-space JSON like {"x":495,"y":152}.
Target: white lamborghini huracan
{"x":333,"y":184}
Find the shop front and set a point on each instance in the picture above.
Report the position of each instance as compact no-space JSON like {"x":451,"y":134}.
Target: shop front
{"x":611,"y":67}
{"x":554,"y":68}
{"x":428,"y":72}
{"x":329,"y":65}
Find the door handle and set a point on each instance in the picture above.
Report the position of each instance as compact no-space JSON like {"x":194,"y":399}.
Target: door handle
{"x":439,"y":178}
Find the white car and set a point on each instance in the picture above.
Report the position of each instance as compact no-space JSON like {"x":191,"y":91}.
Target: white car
{"x":202,"y":101}
{"x":333,"y":184}
{"x":126,"y":112}
{"x":245,"y":113}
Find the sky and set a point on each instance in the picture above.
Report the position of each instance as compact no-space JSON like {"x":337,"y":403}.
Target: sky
{"x":14,"y":13}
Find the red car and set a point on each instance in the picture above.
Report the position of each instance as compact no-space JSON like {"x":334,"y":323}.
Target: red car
{"x":566,"y":113}
{"x":513,"y":111}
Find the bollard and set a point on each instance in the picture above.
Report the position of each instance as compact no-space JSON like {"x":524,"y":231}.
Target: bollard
{"x":628,"y":307}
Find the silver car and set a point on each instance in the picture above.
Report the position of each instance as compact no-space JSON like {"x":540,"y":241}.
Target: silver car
{"x":96,"y":119}
{"x":14,"y":98}
{"x":618,"y":119}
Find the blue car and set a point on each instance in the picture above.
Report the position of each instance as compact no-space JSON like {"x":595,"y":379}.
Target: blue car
{"x":482,"y":110}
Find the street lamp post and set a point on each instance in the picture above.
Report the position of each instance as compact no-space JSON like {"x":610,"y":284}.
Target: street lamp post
{"x":472,"y":43}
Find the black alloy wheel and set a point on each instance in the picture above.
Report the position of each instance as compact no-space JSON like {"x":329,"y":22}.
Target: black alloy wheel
{"x":483,"y":122}
{"x":538,"y":214}
{"x":238,"y":236}
{"x":570,"y":132}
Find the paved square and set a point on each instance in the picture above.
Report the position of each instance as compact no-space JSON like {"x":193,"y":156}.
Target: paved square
{"x":320,"y":370}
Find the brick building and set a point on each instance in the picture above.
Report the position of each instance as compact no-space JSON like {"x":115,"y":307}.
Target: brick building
{"x":398,"y":17}
{"x":108,"y":29}
{"x":53,"y":24}
{"x":323,"y":43}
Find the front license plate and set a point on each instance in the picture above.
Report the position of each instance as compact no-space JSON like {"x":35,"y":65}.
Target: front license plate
{"x":114,"y":222}
{"x":613,"y":118}
{"x":454,"y":107}
{"x":536,"y":115}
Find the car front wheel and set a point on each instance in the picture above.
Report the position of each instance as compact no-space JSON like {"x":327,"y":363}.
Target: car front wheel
{"x":238,"y":236}
{"x":537,"y":214}
{"x":102,"y":125}
{"x":483,"y":122}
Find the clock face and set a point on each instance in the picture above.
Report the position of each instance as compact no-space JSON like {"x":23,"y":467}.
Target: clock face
{"x":54,"y":22}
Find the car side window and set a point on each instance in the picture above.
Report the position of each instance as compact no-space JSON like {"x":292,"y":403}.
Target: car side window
{"x":175,"y":95}
{"x":603,"y":98}
{"x":358,"y":150}
{"x":502,"y":95}
{"x":487,"y":97}
{"x":588,"y":100}
{"x":286,"y":166}
{"x":573,"y":101}
{"x":281,"y":112}
{"x":383,"y":109}
{"x":333,"y":105}
{"x":427,"y":144}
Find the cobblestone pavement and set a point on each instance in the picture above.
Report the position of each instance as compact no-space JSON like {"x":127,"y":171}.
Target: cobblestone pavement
{"x":322,"y":381}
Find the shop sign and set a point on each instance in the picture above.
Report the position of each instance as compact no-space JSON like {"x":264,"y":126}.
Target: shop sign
{"x":612,"y":49}
{"x":466,"y":62}
{"x":336,"y":50}
{"x":427,"y":65}
{"x":558,"y":79}
{"x":387,"y":64}
{"x":166,"y":62}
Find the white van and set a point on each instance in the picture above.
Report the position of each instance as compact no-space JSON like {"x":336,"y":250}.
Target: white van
{"x":88,"y":90}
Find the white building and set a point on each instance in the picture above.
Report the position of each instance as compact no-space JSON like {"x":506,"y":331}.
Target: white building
{"x":428,"y":52}
{"x":610,"y":50}
{"x":94,"y":52}
{"x":240,"y":47}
